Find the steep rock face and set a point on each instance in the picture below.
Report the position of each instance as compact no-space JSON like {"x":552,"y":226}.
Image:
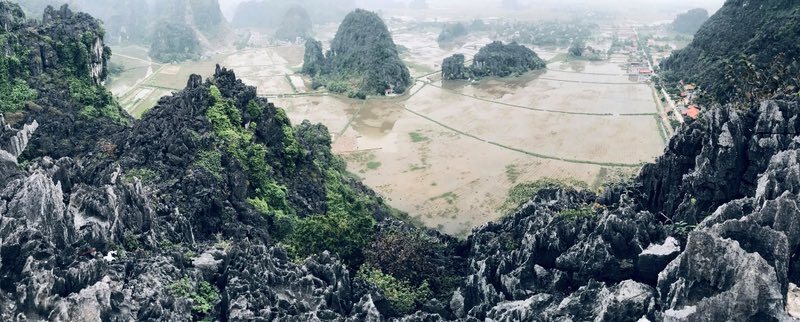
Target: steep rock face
{"x":363,"y":59}
{"x":717,"y":159}
{"x":313,"y":59}
{"x":740,"y":31}
{"x":62,"y":61}
{"x":96,"y":240}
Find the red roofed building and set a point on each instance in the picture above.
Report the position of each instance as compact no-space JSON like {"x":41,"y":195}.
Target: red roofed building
{"x":645,"y":71}
{"x":692,"y":112}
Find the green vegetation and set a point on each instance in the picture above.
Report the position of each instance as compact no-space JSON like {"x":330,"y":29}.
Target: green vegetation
{"x":449,"y":197}
{"x":144,"y":174}
{"x":203,"y":295}
{"x":572,"y":215}
{"x":680,"y":230}
{"x":523,"y":192}
{"x":211,"y":161}
{"x":239,"y":143}
{"x":453,"y":68}
{"x":512,"y":173}
{"x":347,"y":225}
{"x":346,"y":229}
{"x":416,"y":137}
{"x":14,"y":94}
{"x":313,"y":60}
{"x":579,"y":50}
{"x":560,"y":34}
{"x":96,"y":101}
{"x":363,"y":59}
{"x":130,"y":242}
{"x":403,"y":297}
{"x":372,"y":165}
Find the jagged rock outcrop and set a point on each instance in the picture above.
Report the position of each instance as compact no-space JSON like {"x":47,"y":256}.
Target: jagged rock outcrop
{"x":15,"y":141}
{"x":718,"y":159}
{"x":58,"y":64}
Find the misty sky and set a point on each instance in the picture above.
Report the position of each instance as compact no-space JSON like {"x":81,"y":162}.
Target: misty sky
{"x":229,"y":6}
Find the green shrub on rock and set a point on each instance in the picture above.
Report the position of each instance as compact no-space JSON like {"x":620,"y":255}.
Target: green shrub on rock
{"x":403,"y":297}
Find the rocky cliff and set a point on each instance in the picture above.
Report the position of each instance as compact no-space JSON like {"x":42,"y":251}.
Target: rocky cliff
{"x":746,"y":52}
{"x":214,"y":206}
{"x":363,"y":59}
{"x":52,"y":73}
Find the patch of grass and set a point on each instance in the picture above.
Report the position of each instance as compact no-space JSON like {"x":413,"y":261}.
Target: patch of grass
{"x":572,"y":215}
{"x":14,"y":95}
{"x":523,"y":192}
{"x":372,"y":165}
{"x":450,"y":197}
{"x":416,"y":137}
{"x":512,"y":173}
{"x":145,"y":175}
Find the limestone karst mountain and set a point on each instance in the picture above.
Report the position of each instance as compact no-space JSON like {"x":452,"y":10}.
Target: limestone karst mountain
{"x":363,"y":59}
